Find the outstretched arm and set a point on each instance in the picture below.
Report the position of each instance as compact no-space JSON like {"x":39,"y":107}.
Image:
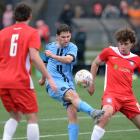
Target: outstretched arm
{"x":63,"y":59}
{"x":34,"y":55}
{"x":94,"y":68}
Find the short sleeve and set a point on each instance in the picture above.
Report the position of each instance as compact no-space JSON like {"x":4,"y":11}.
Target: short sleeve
{"x":44,"y":57}
{"x":104,"y":54}
{"x":73,"y":51}
{"x":138,"y":63}
{"x":34,"y":41}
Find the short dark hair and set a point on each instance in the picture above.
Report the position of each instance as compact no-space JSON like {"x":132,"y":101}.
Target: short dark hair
{"x":63,"y":28}
{"x":22,"y":12}
{"x":126,"y":34}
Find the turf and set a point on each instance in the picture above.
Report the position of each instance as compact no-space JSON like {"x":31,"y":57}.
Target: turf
{"x":53,"y":121}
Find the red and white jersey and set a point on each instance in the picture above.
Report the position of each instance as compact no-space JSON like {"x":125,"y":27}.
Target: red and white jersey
{"x":15,"y":67}
{"x":119,"y":70}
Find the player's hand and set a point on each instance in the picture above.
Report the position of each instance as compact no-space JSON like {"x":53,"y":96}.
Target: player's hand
{"x":42,"y":81}
{"x":49,"y":53}
{"x":52,"y":84}
{"x":91,"y":88}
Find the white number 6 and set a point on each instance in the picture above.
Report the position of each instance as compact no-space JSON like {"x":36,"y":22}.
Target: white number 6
{"x":13,"y":46}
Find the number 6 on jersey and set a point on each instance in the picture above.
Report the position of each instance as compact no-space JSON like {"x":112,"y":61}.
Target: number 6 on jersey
{"x":13,"y":46}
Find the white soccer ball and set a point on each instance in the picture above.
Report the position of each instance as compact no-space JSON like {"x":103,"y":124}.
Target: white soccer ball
{"x":83,"y":78}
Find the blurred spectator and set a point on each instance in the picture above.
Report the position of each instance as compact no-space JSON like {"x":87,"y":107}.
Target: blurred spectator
{"x":134,"y":13}
{"x":7,"y":18}
{"x":124,"y":9}
{"x":66,"y":15}
{"x":80,"y":41}
{"x":111,"y":11}
{"x":79,"y":12}
{"x":2,"y":8}
{"x":97,"y":10}
{"x":43,"y":30}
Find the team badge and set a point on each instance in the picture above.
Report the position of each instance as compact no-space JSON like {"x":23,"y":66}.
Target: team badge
{"x":63,"y":88}
{"x":115,"y":66}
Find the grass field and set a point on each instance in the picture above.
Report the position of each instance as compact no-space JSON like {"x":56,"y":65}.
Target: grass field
{"x":53,"y":122}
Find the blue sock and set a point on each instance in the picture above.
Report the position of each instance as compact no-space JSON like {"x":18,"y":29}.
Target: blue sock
{"x":84,"y":107}
{"x":73,"y":130}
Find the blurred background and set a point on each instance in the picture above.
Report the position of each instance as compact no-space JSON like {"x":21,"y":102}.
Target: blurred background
{"x":93,"y":22}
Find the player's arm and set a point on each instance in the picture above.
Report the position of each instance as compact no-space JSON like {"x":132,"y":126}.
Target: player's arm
{"x":35,"y":58}
{"x":63,"y":59}
{"x":94,"y":68}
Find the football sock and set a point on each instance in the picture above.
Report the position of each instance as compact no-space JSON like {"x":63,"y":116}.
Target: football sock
{"x":33,"y":131}
{"x":9,"y":129}
{"x":73,"y":130}
{"x":84,"y":107}
{"x":97,"y":133}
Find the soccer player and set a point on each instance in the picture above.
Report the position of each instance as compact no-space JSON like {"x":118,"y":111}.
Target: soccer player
{"x":61,"y":56}
{"x":19,"y":45}
{"x":118,"y":94}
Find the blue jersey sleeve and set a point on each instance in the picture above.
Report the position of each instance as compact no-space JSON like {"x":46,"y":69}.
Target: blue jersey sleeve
{"x":73,"y":51}
{"x":44,"y":57}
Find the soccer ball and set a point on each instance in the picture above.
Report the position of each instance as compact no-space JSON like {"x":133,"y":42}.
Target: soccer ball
{"x":83,"y":78}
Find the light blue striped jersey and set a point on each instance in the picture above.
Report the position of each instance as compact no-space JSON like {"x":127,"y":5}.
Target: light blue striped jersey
{"x":62,"y":72}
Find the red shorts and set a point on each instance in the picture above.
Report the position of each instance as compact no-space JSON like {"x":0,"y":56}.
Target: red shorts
{"x":23,"y":100}
{"x":128,"y":105}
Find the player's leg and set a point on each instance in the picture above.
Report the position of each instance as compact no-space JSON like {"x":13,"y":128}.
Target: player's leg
{"x":26,"y":102}
{"x":81,"y":105}
{"x":98,"y":129}
{"x":73,"y":127}
{"x":136,"y":121}
{"x":30,"y":110}
{"x":132,"y":110}
{"x":32,"y":127}
{"x":109,"y":104}
{"x":11,"y":124}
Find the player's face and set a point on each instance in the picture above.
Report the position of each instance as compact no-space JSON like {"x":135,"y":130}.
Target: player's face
{"x":124,"y":47}
{"x":64,"y":38}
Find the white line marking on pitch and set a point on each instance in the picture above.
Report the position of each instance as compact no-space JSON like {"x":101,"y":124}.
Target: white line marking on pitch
{"x":63,"y":118}
{"x":84,"y":133}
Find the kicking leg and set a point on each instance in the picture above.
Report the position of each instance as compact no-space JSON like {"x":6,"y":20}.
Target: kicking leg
{"x":82,"y":105}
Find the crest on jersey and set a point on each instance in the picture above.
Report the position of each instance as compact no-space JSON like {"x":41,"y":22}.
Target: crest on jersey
{"x":63,"y":88}
{"x":115,"y":66}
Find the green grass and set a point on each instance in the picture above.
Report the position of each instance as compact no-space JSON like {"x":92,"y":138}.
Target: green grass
{"x":53,"y":122}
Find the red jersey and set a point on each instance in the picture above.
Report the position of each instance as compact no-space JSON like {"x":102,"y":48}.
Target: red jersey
{"x":119,"y":70}
{"x":15,"y":67}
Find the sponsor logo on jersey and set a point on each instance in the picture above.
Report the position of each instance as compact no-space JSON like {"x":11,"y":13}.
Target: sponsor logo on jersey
{"x":114,"y":57}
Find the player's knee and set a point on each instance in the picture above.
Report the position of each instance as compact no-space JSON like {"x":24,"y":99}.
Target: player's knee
{"x":32,"y":118}
{"x":17,"y":116}
{"x":107,"y":116}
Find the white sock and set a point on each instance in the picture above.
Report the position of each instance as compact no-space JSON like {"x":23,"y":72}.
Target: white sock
{"x":97,"y":133}
{"x":33,"y":131}
{"x":9,"y":129}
